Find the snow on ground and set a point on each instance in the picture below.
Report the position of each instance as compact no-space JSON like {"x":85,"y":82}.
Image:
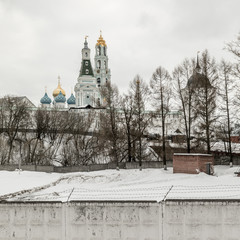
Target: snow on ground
{"x":123,"y":185}
{"x":16,"y":181}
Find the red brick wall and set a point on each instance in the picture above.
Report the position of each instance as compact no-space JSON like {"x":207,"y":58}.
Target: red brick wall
{"x":188,"y":163}
{"x":235,"y":139}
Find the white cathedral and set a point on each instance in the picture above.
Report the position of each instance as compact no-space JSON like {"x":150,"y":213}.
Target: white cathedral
{"x":89,"y":81}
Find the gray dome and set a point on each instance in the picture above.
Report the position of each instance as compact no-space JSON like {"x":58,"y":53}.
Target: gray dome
{"x":198,"y":80}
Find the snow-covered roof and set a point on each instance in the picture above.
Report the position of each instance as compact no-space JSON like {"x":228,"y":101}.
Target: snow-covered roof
{"x":124,"y":185}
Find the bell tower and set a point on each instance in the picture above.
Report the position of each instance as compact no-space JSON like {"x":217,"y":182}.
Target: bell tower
{"x":101,"y":71}
{"x":86,"y":91}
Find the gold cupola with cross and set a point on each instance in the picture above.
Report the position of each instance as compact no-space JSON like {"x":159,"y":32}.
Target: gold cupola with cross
{"x":58,"y":89}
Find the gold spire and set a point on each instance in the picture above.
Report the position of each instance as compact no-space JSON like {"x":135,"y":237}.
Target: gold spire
{"x":58,"y":89}
{"x":101,"y":41}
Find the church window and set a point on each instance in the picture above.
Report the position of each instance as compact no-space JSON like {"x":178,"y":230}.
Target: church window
{"x":87,"y":96}
{"x":86,"y":54}
{"x":106,"y":80}
{"x":86,"y":63}
{"x":99,"y":50}
{"x":104,"y":50}
{"x":87,"y":71}
{"x":98,"y":64}
{"x":98,"y":80}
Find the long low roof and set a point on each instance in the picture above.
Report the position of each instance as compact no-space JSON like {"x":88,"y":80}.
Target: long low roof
{"x":148,"y":185}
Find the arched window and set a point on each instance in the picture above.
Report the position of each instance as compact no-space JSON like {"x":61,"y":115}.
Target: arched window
{"x":98,"y":64}
{"x":87,"y":71}
{"x":86,"y":63}
{"x":98,"y":51}
{"x":99,"y":80}
{"x":106,"y":80}
{"x":86,"y":54}
{"x":104,"y":51}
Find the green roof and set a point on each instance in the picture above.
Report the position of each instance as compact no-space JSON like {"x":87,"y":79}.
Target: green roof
{"x":86,"y":68}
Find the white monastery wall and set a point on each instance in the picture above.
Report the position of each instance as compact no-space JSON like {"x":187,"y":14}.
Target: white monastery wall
{"x":176,"y":220}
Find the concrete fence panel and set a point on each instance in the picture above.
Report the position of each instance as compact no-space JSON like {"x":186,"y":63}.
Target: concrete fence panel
{"x":168,"y":220}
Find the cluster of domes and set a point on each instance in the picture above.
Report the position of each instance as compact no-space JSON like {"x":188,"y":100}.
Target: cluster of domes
{"x":59,"y":96}
{"x":89,"y":80}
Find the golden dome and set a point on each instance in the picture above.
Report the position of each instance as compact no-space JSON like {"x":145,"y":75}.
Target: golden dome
{"x":101,"y":41}
{"x":58,"y":89}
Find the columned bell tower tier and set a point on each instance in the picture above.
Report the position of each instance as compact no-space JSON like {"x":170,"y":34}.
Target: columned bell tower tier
{"x":101,"y":71}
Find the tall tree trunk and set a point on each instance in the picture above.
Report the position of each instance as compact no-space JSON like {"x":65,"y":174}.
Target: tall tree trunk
{"x":163,"y":134}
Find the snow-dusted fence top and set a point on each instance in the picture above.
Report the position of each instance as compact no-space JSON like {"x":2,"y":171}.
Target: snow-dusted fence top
{"x":83,"y":168}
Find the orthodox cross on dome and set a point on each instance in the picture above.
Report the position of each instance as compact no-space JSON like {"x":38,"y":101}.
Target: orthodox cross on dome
{"x":100,"y":32}
{"x":59,"y":80}
{"x":45,"y":89}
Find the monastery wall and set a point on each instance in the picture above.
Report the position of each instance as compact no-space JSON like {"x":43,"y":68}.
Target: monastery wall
{"x":170,"y":220}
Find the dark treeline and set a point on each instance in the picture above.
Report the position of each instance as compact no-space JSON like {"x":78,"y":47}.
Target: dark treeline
{"x":203,"y":90}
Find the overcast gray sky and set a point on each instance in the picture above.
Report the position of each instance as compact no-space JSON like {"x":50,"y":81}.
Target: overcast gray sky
{"x":41,"y":39}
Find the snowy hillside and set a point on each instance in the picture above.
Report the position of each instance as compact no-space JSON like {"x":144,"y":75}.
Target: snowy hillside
{"x":123,"y":185}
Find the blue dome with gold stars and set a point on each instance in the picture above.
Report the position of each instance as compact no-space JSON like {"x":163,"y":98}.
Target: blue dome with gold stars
{"x":45,"y":99}
{"x":71,"y":100}
{"x":60,"y":98}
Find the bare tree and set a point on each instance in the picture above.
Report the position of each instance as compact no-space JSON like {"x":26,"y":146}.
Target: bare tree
{"x":14,"y":115}
{"x":226,"y":87}
{"x":81,"y":141}
{"x":205,"y":100}
{"x":41,"y":119}
{"x":109,"y":121}
{"x":4,"y":150}
{"x":184,"y":92}
{"x":141,"y":118}
{"x":234,"y":48}
{"x":128,"y":112}
{"x":57,"y":127}
{"x":161,"y":92}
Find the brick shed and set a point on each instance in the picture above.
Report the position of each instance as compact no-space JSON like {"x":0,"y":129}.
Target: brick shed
{"x":192,"y":163}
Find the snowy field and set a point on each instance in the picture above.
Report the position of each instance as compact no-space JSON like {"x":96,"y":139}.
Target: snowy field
{"x":123,"y":185}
